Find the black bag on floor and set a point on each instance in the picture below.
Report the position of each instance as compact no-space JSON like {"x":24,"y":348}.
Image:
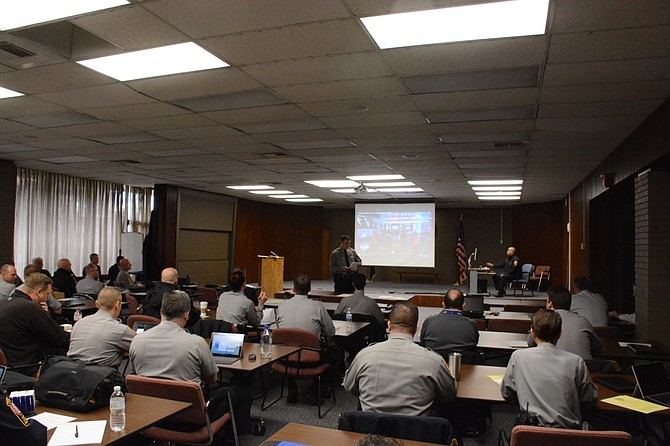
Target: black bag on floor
{"x":72,"y":384}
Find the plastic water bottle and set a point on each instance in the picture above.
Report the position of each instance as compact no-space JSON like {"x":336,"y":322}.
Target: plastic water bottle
{"x":77,"y":316}
{"x":266,"y":343}
{"x":117,"y":410}
{"x":349,"y":318}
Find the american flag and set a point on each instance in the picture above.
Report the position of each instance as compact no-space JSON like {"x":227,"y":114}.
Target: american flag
{"x":460,"y":256}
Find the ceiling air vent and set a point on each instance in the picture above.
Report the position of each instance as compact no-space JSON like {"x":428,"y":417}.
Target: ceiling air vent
{"x":15,"y":50}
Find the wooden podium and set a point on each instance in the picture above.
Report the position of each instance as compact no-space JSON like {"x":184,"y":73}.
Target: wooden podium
{"x":272,"y":275}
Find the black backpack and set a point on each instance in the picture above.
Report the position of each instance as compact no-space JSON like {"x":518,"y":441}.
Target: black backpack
{"x":72,"y":384}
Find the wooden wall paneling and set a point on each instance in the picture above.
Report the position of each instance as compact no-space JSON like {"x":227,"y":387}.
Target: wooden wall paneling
{"x":164,"y":244}
{"x":579,"y":237}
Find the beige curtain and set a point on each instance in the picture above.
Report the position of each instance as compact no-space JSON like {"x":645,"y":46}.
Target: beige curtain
{"x":61,"y":216}
{"x":137,"y":204}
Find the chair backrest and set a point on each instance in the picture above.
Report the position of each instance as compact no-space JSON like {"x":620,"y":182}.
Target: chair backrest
{"x":187,"y":391}
{"x":526,"y":269}
{"x":548,"y":436}
{"x":205,"y":328}
{"x":295,"y":337}
{"x":133,"y":318}
{"x":543,"y":271}
{"x":426,"y":429}
{"x":208,"y":294}
{"x":3,"y":358}
{"x":509,"y":325}
{"x":133,"y":305}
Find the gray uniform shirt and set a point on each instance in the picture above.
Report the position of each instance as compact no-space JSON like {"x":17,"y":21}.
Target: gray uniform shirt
{"x":553,"y":382}
{"x":337,"y":261}
{"x":592,"y":306}
{"x":577,"y":336}
{"x":449,"y":331}
{"x":123,"y":280}
{"x":361,"y":304}
{"x":236,"y":308}
{"x":169,"y":351}
{"x":399,"y":376}
{"x":305,"y":314}
{"x":89,"y":286}
{"x":6,"y":288}
{"x":100,"y":339}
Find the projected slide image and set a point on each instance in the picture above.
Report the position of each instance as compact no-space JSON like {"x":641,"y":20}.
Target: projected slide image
{"x":393,"y":236}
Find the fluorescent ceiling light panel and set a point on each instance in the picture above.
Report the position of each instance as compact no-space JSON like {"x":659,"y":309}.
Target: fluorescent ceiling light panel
{"x":250,"y":187}
{"x":343,"y":191}
{"x":495,"y":188}
{"x":7,"y":93}
{"x":292,"y":196}
{"x":376,"y":177}
{"x":391,"y":184}
{"x":399,"y":189}
{"x":500,"y":198}
{"x":333,"y":183}
{"x":303,"y":200}
{"x":498,"y":194}
{"x":271,"y":192}
{"x":495,"y":182}
{"x":29,"y":12}
{"x":457,"y":24}
{"x":162,"y":61}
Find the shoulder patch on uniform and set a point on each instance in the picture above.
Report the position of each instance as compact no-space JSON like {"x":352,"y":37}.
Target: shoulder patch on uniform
{"x":15,"y":410}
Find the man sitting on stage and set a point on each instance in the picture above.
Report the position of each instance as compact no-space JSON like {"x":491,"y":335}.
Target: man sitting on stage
{"x":511,"y":267}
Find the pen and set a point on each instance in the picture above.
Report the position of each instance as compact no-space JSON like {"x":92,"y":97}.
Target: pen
{"x":76,"y":431}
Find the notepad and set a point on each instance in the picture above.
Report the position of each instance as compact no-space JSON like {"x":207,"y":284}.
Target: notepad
{"x":51,"y":420}
{"x":632,"y":403}
{"x":90,"y":432}
{"x":497,"y":378}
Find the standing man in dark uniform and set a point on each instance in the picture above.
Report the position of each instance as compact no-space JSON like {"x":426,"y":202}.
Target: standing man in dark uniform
{"x":511,"y":267}
{"x":340,"y":261}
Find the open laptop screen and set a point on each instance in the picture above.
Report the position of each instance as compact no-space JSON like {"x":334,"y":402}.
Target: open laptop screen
{"x":141,"y":327}
{"x":651,"y":378}
{"x":227,"y":344}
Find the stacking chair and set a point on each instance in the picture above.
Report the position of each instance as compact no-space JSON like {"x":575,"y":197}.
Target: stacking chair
{"x":425,"y":429}
{"x":541,"y":275}
{"x":196,"y":416}
{"x":522,"y":282}
{"x":549,"y":436}
{"x":133,"y":318}
{"x":305,"y":363}
{"x":209,"y":295}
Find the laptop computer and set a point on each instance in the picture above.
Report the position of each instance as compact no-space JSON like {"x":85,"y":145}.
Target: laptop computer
{"x":141,"y":327}
{"x":474,"y":306}
{"x":226,"y":347}
{"x":653,"y":382}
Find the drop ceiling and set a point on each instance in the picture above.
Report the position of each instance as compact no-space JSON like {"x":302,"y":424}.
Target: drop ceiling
{"x":309,"y":96}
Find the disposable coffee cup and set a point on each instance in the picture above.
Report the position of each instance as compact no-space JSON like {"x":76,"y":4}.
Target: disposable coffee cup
{"x":455,"y":365}
{"x":67,"y":327}
{"x":203,"y":307}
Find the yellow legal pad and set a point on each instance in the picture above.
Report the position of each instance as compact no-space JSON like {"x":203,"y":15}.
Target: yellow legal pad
{"x":497,"y":378}
{"x":636,"y":404}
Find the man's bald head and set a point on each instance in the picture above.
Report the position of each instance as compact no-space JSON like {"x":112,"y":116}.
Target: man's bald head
{"x":404,"y":318}
{"x":64,"y":264}
{"x":169,"y":275}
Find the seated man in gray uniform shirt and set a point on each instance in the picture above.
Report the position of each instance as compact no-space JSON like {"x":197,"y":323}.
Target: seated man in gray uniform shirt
{"x":398,"y":376}
{"x":101,"y":338}
{"x":552,"y":382}
{"x":358,"y":302}
{"x":578,"y":336}
{"x":235,"y":307}
{"x":168,"y":351}
{"x":90,"y":284}
{"x":586,"y":303}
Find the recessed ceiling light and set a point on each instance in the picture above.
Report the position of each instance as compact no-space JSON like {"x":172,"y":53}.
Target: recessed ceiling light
{"x":376,"y":177}
{"x":6,"y":93}
{"x":391,"y":184}
{"x":496,"y":188}
{"x":250,"y":187}
{"x":271,"y":192}
{"x":498,"y":194}
{"x":30,"y":12}
{"x":162,"y":61}
{"x":333,"y":183}
{"x":500,"y":198}
{"x":495,"y":182}
{"x":456,"y":24}
{"x":303,"y":200}
{"x":292,"y":196}
{"x":400,"y":189}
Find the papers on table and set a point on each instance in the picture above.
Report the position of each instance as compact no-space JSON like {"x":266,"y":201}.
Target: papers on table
{"x":51,"y":420}
{"x":632,"y":403}
{"x":89,"y":432}
{"x":497,"y":378}
{"x":268,"y":316}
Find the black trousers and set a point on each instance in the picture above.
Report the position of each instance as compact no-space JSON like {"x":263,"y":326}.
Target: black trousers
{"x":343,"y":284}
{"x":501,"y":281}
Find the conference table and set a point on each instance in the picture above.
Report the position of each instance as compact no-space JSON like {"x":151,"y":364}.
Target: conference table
{"x":502,"y":340}
{"x":141,"y":412}
{"x":247,"y":365}
{"x":307,"y":435}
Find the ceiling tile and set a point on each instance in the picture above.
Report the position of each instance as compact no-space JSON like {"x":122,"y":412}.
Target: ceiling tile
{"x":101,"y":96}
